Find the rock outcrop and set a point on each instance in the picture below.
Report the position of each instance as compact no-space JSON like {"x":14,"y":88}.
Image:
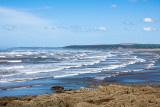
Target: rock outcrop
{"x":57,"y":88}
{"x":102,"y":96}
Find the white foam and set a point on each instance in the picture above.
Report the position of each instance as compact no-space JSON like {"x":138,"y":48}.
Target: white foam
{"x":103,"y":77}
{"x":67,"y":75}
{"x":14,"y":61}
{"x":43,"y":56}
{"x":116,"y":74}
{"x":11,"y":61}
{"x":42,"y":71}
{"x":11,"y":67}
{"x":35,"y":69}
{"x":151,"y":64}
{"x":130,"y":70}
{"x":64,"y":68}
{"x":119,"y":66}
{"x":2,"y":56}
{"x":74,"y":65}
{"x":8,"y":75}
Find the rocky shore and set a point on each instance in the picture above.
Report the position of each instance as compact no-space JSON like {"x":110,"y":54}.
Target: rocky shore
{"x":102,"y":96}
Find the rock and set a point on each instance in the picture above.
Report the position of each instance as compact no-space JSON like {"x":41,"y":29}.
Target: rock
{"x":100,"y":87}
{"x":104,"y":96}
{"x":57,"y":88}
{"x":85,"y":104}
{"x":82,"y":88}
{"x":3,"y":103}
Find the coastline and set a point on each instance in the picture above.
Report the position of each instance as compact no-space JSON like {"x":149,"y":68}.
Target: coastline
{"x":125,"y":89}
{"x":158,"y":49}
{"x":133,"y":78}
{"x":102,"y":96}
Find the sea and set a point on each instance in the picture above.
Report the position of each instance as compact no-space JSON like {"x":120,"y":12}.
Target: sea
{"x":33,"y":71}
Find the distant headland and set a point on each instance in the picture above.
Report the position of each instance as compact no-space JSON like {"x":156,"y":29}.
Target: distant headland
{"x":117,"y":46}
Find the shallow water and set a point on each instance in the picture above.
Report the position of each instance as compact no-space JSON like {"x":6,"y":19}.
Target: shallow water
{"x":23,"y":71}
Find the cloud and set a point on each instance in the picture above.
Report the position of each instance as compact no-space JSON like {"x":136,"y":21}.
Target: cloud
{"x":43,"y":8}
{"x":80,"y":28}
{"x":49,"y":28}
{"x":100,"y":28}
{"x":128,"y":22}
{"x":10,"y":27}
{"x":47,"y":7}
{"x":77,"y":28}
{"x":19,"y":18}
{"x":84,"y":30}
{"x":148,"y":20}
{"x":147,"y":29}
{"x":113,"y":6}
{"x":35,"y":8}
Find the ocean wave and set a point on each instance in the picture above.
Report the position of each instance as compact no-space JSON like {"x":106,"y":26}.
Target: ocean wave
{"x":19,"y":87}
{"x":9,"y":75}
{"x":70,"y":63}
{"x":22,"y":79}
{"x":95,"y":70}
{"x":36,"y":69}
{"x":10,"y":61}
{"x":11,"y":67}
{"x":2,"y":56}
{"x":61,"y":67}
{"x":102,"y":77}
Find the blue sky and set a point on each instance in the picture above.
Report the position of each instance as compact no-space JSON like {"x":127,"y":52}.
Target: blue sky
{"x":56,"y":23}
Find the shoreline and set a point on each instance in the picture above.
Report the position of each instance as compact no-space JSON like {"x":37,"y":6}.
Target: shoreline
{"x":130,"y":78}
{"x":136,"y":49}
{"x":108,"y":96}
{"x":113,"y":91}
{"x":124,"y":79}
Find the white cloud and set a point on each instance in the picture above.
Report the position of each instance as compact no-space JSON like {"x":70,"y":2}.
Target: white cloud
{"x":128,"y":23}
{"x":47,"y":7}
{"x":42,"y":8}
{"x":80,"y":28}
{"x":100,"y":28}
{"x":19,"y":18}
{"x":28,"y":29}
{"x":10,"y":27}
{"x":49,"y":28}
{"x":148,"y":20}
{"x":113,"y":6}
{"x":147,"y":29}
{"x":84,"y":30}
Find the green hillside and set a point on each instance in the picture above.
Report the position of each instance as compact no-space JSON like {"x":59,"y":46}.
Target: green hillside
{"x":116,"y":46}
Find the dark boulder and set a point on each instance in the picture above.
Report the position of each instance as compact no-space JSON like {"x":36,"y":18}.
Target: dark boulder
{"x":57,"y":88}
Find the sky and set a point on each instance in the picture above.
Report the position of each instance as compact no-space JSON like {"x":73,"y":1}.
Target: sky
{"x":57,"y":23}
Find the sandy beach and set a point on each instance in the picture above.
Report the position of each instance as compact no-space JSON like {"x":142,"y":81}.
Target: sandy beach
{"x":137,"y":49}
{"x":102,"y":96}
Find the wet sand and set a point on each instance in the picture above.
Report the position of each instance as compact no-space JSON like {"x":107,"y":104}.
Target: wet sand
{"x":144,"y":78}
{"x":138,"y":49}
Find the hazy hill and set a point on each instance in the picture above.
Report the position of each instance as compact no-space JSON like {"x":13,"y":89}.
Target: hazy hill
{"x":117,"y":46}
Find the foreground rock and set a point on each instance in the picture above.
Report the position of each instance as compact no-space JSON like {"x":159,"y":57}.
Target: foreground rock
{"x":57,"y":88}
{"x":103,"y":96}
